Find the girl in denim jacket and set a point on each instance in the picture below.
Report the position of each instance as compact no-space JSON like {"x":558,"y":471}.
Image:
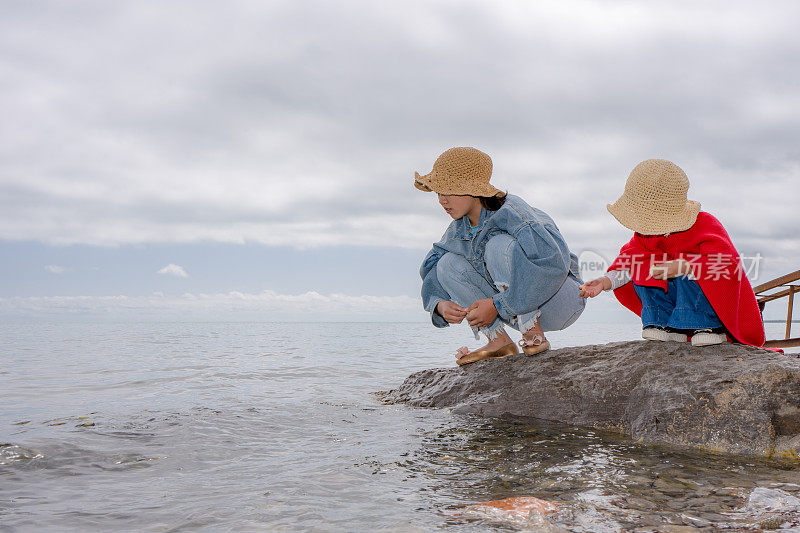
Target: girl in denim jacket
{"x":501,"y":261}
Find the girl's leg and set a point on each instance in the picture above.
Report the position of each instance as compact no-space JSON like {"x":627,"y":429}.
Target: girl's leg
{"x":657,"y":305}
{"x":561,"y":310}
{"x":692,"y":309}
{"x":564,"y":308}
{"x":465,"y":285}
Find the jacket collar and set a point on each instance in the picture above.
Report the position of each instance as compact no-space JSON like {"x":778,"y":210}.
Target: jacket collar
{"x":464,"y":225}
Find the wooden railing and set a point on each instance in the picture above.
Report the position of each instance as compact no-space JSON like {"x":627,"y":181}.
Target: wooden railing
{"x":790,"y":289}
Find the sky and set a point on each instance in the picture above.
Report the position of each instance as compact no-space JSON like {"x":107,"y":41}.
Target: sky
{"x":251,"y":160}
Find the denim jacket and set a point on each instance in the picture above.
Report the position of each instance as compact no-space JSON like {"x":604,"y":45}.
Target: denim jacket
{"x":544,"y":261}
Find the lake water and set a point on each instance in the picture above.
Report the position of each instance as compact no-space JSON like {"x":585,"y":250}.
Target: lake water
{"x":275,"y":427}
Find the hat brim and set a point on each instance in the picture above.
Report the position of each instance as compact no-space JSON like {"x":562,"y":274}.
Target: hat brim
{"x":419,"y":184}
{"x":427,"y":183}
{"x":641,"y":221}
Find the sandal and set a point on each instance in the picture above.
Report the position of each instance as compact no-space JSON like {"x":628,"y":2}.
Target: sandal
{"x":480,"y":355}
{"x":534,"y":346}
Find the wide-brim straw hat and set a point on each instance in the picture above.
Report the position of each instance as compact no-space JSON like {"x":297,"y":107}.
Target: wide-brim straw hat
{"x":461,"y":171}
{"x":654,"y":201}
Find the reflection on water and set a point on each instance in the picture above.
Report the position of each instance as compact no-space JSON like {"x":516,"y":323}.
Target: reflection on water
{"x":274,"y":427}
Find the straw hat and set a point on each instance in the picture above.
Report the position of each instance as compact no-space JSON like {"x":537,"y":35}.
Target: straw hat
{"x":654,"y":201}
{"x":462,"y":170}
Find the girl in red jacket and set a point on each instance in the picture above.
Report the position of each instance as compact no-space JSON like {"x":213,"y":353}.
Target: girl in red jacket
{"x":680,"y":272}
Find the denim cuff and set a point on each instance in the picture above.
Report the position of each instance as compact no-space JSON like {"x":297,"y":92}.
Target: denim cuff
{"x":437,"y":319}
{"x":530,"y":321}
{"x":491,"y":332}
{"x":502,"y":309}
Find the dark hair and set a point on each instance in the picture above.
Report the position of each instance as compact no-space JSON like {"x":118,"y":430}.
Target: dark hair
{"x":493,"y":203}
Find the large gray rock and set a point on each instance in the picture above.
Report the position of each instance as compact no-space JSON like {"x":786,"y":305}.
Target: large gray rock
{"x":730,"y":398}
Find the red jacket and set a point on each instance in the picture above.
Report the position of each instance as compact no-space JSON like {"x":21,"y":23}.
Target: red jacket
{"x":717,"y":268}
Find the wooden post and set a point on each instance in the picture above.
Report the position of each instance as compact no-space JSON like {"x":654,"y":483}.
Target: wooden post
{"x":789,"y":312}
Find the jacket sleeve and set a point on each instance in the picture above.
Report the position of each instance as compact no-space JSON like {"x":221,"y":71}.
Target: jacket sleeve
{"x":432,"y":291}
{"x":541,"y":264}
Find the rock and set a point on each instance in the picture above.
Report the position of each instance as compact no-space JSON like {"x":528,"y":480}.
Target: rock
{"x":10,"y":453}
{"x":517,"y":507}
{"x":727,"y":398}
{"x":762,"y":499}
{"x":767,"y":509}
{"x":524,"y":511}
{"x":671,"y":528}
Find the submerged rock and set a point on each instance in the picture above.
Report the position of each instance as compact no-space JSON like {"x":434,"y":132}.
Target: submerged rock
{"x":525,"y":511}
{"x":767,"y":509}
{"x":730,"y":398}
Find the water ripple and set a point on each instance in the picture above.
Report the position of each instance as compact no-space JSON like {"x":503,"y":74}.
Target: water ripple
{"x":171,"y":427}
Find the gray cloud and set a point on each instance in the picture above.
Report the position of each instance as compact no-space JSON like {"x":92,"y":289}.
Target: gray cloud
{"x":302,"y":123}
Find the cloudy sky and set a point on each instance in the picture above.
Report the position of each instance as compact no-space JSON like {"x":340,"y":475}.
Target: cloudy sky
{"x":254,"y":160}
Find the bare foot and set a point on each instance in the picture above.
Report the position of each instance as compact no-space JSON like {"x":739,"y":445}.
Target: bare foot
{"x":498,"y":342}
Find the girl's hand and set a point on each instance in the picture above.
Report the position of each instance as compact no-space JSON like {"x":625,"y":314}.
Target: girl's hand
{"x":590,"y":289}
{"x":452,"y":312}
{"x":670,"y":269}
{"x":482,"y":313}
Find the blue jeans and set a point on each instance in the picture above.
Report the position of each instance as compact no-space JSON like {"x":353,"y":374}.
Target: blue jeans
{"x":683,"y":306}
{"x":465,"y":285}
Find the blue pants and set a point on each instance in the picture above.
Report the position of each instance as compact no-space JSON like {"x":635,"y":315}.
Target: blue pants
{"x":465,"y":285}
{"x":682,"y":307}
